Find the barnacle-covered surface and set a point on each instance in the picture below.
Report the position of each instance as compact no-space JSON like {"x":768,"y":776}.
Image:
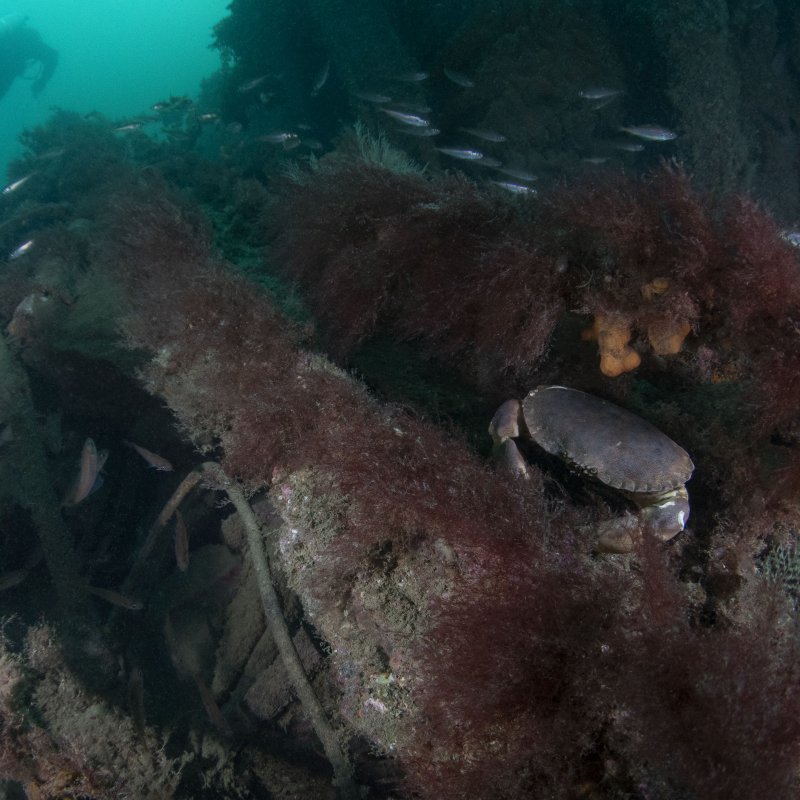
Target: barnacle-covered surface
{"x":332,"y":316}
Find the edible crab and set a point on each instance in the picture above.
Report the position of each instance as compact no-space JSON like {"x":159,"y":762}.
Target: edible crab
{"x":602,"y":440}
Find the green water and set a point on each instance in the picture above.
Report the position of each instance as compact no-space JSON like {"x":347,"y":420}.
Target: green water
{"x":117,"y":58}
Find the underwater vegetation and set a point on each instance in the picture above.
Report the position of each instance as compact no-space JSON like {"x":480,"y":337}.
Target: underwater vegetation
{"x":242,"y":556}
{"x":691,"y":297}
{"x":462,"y":634}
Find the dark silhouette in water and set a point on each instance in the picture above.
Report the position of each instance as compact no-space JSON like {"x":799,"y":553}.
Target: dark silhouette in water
{"x":21,"y":46}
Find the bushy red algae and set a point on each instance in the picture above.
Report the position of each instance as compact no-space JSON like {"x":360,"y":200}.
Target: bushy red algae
{"x":536,"y":671}
{"x":526,"y":665}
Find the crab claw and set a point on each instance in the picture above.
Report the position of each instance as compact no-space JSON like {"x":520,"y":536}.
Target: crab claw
{"x":505,"y":422}
{"x":509,"y":458}
{"x":619,"y":536}
{"x":667,"y":516}
{"x":504,"y":428}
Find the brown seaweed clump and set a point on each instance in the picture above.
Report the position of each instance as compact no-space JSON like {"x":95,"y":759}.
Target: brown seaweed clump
{"x":58,"y":739}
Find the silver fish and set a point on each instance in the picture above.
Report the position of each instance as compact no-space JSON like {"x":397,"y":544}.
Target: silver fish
{"x":422,"y":132}
{"x":464,"y":153}
{"x":154,"y":460}
{"x":792,"y":237}
{"x":321,"y":80}
{"x":518,"y":173}
{"x":628,"y":147}
{"x":599,"y":93}
{"x":12,"y":578}
{"x":598,"y":104}
{"x":18,"y":184}
{"x":288,"y":140}
{"x":90,"y":465}
{"x":115,"y":598}
{"x":53,"y":152}
{"x":181,"y":542}
{"x":414,"y":108}
{"x":412,"y":77}
{"x":128,"y":126}
{"x":407,"y":119}
{"x":248,"y":86}
{"x":8,"y":580}
{"x":136,"y":699}
{"x":373,"y":97}
{"x":212,"y":708}
{"x":21,"y":250}
{"x":458,"y":78}
{"x":515,"y":188}
{"x":652,"y":133}
{"x":483,"y":133}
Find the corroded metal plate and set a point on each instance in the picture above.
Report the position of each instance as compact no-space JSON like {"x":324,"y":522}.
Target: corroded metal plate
{"x":606,"y":441}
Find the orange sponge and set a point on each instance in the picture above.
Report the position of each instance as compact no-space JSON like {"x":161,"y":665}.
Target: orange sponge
{"x":666,"y":336}
{"x":613,"y":332}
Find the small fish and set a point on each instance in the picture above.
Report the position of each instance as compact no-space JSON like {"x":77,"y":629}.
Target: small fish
{"x":458,"y":78}
{"x":175,"y":103}
{"x":128,"y":126}
{"x":412,"y":77}
{"x":599,"y":93}
{"x":414,"y":108}
{"x":115,"y":598}
{"x":212,"y":707}
{"x":253,"y":83}
{"x":486,"y":135}
{"x":515,"y":188}
{"x":517,"y":173}
{"x":419,"y":131}
{"x":407,"y":119}
{"x":277,"y":138}
{"x":21,"y":250}
{"x":136,"y":699}
{"x":464,"y":153}
{"x":792,"y":237}
{"x":597,"y":105}
{"x":8,"y":580}
{"x":322,"y":79}
{"x":154,"y":460}
{"x":265,"y":97}
{"x":12,"y":578}
{"x":209,"y":116}
{"x":489,"y":161}
{"x":652,"y":133}
{"x":88,"y":473}
{"x":53,"y":152}
{"x":288,"y":140}
{"x":18,"y":184}
{"x":628,"y":147}
{"x":596,"y":160}
{"x":181,"y":542}
{"x":373,"y":97}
